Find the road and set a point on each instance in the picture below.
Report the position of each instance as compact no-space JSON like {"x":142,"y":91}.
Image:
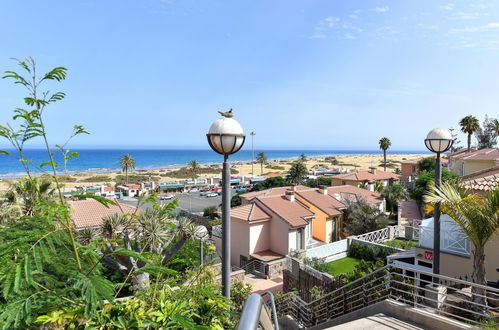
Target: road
{"x":192,"y":202}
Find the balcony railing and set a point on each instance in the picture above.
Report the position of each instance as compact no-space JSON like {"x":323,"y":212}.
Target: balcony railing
{"x":452,"y":241}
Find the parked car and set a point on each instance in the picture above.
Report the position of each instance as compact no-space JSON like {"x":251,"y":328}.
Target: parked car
{"x":205,"y":189}
{"x":166,"y":197}
{"x":241,"y":190}
{"x":211,"y":194}
{"x":194,"y":190}
{"x":217,"y":189}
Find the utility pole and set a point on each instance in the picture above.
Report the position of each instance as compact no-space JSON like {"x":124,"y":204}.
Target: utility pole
{"x":252,"y":155}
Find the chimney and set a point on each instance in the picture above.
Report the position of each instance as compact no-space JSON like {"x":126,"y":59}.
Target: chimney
{"x":370,"y":186}
{"x":290,"y":195}
{"x":323,"y":190}
{"x":373,"y":170}
{"x":293,"y":188}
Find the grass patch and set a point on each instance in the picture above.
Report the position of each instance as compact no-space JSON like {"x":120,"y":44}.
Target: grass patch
{"x":341,"y":266}
{"x":401,"y":244}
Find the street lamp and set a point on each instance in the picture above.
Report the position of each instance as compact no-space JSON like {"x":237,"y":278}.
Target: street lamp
{"x":438,"y":140}
{"x":252,"y":155}
{"x":226,"y":137}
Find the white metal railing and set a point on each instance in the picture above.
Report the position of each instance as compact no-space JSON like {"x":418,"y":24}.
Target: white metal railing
{"x":256,"y":313}
{"x":452,"y":241}
{"x":327,"y":250}
{"x":381,"y":235}
{"x":404,"y":284}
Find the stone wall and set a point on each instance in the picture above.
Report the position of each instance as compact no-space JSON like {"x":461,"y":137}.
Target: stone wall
{"x":275,"y":268}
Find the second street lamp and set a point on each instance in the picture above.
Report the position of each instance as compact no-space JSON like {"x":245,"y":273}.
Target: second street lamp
{"x":438,"y":140}
{"x":226,"y":137}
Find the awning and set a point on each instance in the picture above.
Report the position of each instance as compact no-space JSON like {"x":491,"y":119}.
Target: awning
{"x":172,"y":186}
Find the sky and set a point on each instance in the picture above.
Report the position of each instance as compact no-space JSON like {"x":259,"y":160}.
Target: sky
{"x":301,"y":74}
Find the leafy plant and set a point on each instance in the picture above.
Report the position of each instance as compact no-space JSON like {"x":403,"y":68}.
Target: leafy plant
{"x":364,"y":218}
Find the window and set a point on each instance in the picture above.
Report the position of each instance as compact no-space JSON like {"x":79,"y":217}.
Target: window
{"x":299,"y":239}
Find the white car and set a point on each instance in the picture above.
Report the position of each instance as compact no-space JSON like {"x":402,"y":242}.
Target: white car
{"x":211,"y":194}
{"x":166,"y":197}
{"x":194,"y":190}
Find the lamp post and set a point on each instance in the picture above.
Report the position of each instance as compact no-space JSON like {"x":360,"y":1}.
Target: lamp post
{"x":226,"y":137}
{"x":252,"y":155}
{"x":438,"y":140}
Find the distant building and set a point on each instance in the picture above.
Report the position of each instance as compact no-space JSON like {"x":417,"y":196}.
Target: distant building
{"x":366,"y":178}
{"x":89,"y":213}
{"x":409,"y":169}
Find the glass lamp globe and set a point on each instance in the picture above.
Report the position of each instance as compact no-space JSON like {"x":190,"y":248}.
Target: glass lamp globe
{"x":226,"y":136}
{"x":439,"y":140}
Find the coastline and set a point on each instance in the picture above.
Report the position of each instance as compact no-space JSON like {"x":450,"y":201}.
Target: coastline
{"x":240,"y":168}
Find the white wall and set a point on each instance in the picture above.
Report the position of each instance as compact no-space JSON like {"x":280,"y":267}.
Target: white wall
{"x":240,"y":237}
{"x":259,"y":237}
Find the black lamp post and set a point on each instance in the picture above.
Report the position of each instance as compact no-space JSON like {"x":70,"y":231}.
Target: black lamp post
{"x":438,"y":140}
{"x":226,"y":137}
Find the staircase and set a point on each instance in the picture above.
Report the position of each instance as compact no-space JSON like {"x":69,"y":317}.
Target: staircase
{"x":401,"y":285}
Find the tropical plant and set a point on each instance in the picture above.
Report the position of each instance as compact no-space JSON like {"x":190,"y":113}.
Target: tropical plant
{"x":297,"y":173}
{"x":112,"y":225}
{"x":127,"y":163}
{"x":394,"y":194}
{"x":478,"y":218}
{"x":261,"y":158}
{"x":363,"y":218}
{"x":302,"y":158}
{"x":486,"y":135}
{"x":427,"y":164}
{"x":384,"y":144}
{"x":277,"y":181}
{"x":456,"y":142}
{"x":424,"y":180}
{"x":210,"y":212}
{"x":194,"y":166}
{"x":469,"y":125}
{"x":320,"y":181}
{"x":26,"y":193}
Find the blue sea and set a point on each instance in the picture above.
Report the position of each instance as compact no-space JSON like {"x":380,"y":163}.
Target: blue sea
{"x":107,"y":160}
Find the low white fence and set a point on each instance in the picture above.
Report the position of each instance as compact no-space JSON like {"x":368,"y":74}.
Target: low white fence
{"x":339,"y":249}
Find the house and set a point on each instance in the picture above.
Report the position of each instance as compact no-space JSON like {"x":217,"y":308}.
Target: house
{"x":410,"y":168}
{"x":131,"y":189}
{"x":456,"y":257}
{"x":89,"y":213}
{"x":268,"y":228}
{"x":466,"y":163}
{"x":351,"y":194}
{"x":365,"y":178}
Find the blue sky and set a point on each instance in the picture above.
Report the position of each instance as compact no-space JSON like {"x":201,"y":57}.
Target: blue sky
{"x":301,"y":74}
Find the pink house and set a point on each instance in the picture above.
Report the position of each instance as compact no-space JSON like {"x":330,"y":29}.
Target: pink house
{"x":268,"y":228}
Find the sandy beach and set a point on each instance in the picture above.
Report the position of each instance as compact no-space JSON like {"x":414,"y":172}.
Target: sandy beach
{"x":243,"y":169}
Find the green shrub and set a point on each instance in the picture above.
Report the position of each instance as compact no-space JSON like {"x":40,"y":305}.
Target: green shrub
{"x":368,"y":252}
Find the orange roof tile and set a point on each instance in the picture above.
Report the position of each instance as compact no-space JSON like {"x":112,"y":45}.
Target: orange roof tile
{"x":249,"y":212}
{"x":89,"y":212}
{"x":348,"y":192}
{"x":366,"y":175}
{"x":489,"y":182}
{"x":278,"y":191}
{"x":482,"y":154}
{"x":325,"y":203}
{"x":291,"y":212}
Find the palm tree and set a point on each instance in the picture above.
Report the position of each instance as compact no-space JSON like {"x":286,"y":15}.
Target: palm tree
{"x":112,"y":225}
{"x":478,"y":217}
{"x":194,"y":165}
{"x":127,"y":163}
{"x":297,"y":173}
{"x":384,"y":144}
{"x":262,"y":159}
{"x":302,"y":158}
{"x":469,"y":125}
{"x":394,"y":194}
{"x":26,"y":192}
{"x":494,"y":125}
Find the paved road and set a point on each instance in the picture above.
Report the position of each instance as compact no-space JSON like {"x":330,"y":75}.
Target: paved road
{"x":192,"y":202}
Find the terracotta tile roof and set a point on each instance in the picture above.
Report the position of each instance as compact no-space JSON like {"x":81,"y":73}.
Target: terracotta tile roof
{"x":291,"y":212}
{"x":325,"y":203}
{"x":278,"y":191}
{"x":484,"y":183}
{"x":482,"y":154}
{"x":132,"y":186}
{"x":366,"y":175}
{"x":273,"y":175}
{"x":89,"y":212}
{"x":352,"y":193}
{"x":460,"y":151}
{"x":250,"y":212}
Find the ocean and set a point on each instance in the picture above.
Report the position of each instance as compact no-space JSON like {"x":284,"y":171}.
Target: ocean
{"x":107,"y":160}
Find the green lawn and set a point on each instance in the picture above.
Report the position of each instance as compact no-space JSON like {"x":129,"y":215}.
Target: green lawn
{"x":341,"y":266}
{"x":401,"y":244}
